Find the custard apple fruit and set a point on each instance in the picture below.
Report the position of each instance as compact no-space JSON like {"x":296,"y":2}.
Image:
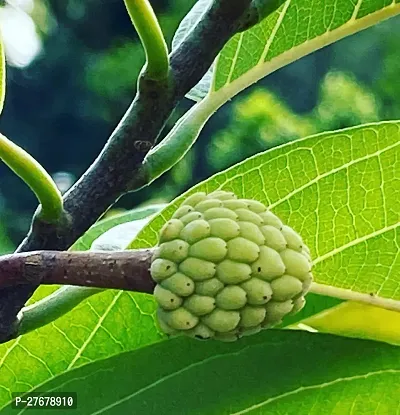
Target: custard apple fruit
{"x":226,"y":268}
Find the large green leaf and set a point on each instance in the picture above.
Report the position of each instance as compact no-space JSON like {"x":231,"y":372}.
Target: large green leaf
{"x":269,"y":373}
{"x":103,"y":325}
{"x":339,"y":190}
{"x":297,"y":28}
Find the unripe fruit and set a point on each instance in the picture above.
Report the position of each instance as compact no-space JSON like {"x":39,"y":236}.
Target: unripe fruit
{"x":231,"y":297}
{"x":227,"y":268}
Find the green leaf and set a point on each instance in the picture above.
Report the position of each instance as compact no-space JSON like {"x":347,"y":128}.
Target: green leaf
{"x":339,"y":190}
{"x":297,"y":28}
{"x":101,"y":326}
{"x":273,"y":372}
{"x":102,"y":227}
{"x":2,"y":75}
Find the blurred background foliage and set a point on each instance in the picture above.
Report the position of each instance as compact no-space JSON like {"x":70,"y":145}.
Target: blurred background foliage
{"x":72,"y":70}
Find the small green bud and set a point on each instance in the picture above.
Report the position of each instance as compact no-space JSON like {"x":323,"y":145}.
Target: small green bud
{"x":277,"y":310}
{"x":194,"y":231}
{"x":209,"y":287}
{"x":208,"y":204}
{"x":179,"y":284}
{"x":258,"y":291}
{"x":190,"y":217}
{"x":285,"y":287}
{"x":293,"y":239}
{"x":270,"y":219}
{"x":251,"y":232}
{"x":220,"y":212}
{"x":162,"y":268}
{"x":179,"y":319}
{"x":273,"y":237}
{"x":255,"y":206}
{"x":296,"y":264}
{"x":182,"y":211}
{"x":166,"y":299}
{"x":251,"y":316}
{"x":231,"y":272}
{"x":246,"y":215}
{"x":170,"y":230}
{"x":194,"y":199}
{"x":176,"y":250}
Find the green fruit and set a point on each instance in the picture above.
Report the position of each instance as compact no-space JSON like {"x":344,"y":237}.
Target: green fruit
{"x":209,"y":287}
{"x":162,"y":268}
{"x":273,"y":237}
{"x":211,"y":249}
{"x":182,"y":211}
{"x":222,"y":321}
{"x":258,"y":291}
{"x":246,"y":215}
{"x":208,"y":204}
{"x":227,"y":268}
{"x":276,"y":311}
{"x":269,"y":265}
{"x":231,"y":272}
{"x":194,"y":231}
{"x":199,"y":304}
{"x":255,"y":206}
{"x":198,"y":269}
{"x":201,"y":332}
{"x":296,"y":264}
{"x":231,"y":297}
{"x":270,"y":219}
{"x":170,"y":230}
{"x":179,"y":319}
{"x":293,"y":239}
{"x":176,"y":250}
{"x":220,"y":212}
{"x":190,"y":217}
{"x":242,"y":250}
{"x":194,"y":199}
{"x":224,"y":228}
{"x":234,"y":204}
{"x":251,"y":232}
{"x":252,"y":316}
{"x":179,"y":284}
{"x":166,"y":299}
{"x":286,"y":287}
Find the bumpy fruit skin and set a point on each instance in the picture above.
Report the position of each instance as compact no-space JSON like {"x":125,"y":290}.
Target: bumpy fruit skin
{"x":226,"y":268}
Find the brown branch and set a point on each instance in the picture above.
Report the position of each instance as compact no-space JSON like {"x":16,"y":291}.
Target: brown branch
{"x":123,"y":270}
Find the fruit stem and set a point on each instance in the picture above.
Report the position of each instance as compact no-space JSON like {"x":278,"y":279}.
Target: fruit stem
{"x":346,"y":294}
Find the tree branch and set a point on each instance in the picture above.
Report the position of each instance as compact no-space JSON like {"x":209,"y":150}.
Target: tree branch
{"x":117,"y":170}
{"x":123,"y":270}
